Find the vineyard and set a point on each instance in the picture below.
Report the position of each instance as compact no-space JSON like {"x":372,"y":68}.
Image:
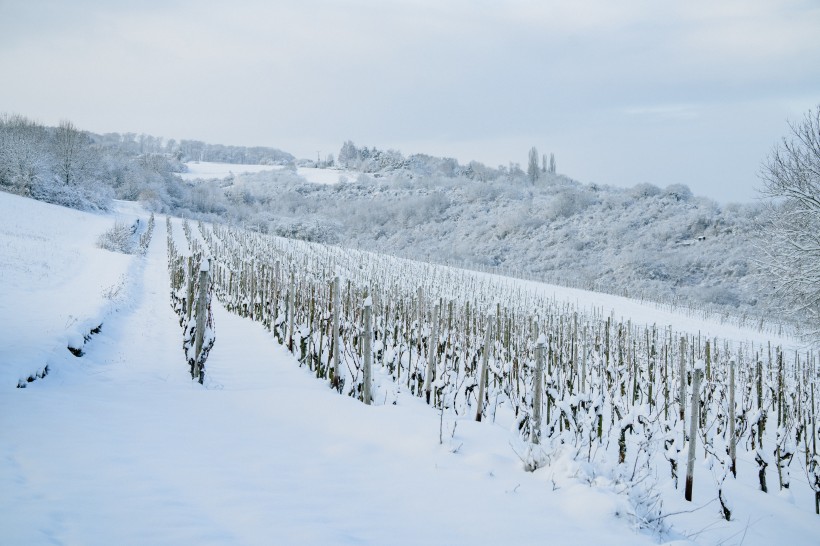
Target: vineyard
{"x":638,"y":404}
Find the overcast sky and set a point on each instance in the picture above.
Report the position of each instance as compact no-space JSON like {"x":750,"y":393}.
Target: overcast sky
{"x":659,"y":91}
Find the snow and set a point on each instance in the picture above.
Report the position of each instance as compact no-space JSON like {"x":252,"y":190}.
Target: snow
{"x":205,"y":170}
{"x":55,"y":284}
{"x":119,"y":446}
{"x":647,"y":313}
{"x":326,"y":176}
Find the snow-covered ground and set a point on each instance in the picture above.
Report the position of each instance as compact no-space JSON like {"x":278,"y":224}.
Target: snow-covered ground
{"x":121,"y":447}
{"x":204,"y":170}
{"x":326,"y":176}
{"x":647,"y":313}
{"x":55,"y":283}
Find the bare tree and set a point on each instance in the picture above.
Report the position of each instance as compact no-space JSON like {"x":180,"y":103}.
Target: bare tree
{"x":790,"y":226}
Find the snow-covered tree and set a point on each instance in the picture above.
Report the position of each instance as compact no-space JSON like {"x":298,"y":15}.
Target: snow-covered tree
{"x":23,"y":160}
{"x":72,"y":154}
{"x":348,"y":155}
{"x":791,"y":225}
{"x":532,"y":166}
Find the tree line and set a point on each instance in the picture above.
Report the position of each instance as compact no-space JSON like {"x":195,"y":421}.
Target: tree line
{"x":72,"y":167}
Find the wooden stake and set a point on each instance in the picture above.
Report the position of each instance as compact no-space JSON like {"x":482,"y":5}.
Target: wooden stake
{"x":201,"y":318}
{"x":485,"y":358}
{"x":537,"y":389}
{"x":337,"y":369}
{"x":291,"y":306}
{"x":368,"y":351}
{"x":682,"y":378}
{"x":432,"y":354}
{"x":693,"y":433}
{"x":732,"y":438}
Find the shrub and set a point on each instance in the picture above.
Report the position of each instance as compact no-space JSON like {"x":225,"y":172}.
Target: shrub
{"x":119,"y":238}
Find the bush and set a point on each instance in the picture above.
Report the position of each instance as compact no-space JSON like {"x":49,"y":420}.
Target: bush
{"x":678,"y":192}
{"x":642,"y":191}
{"x":119,"y":238}
{"x":79,"y":197}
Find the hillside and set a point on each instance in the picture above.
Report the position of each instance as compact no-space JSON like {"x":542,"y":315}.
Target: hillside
{"x":647,"y":242}
{"x":121,"y":446}
{"x":665,"y":245}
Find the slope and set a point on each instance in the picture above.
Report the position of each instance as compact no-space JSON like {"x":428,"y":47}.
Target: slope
{"x":120,"y":446}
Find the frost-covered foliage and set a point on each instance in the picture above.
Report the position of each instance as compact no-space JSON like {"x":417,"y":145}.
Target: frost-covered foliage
{"x":662,"y":244}
{"x":648,"y":242}
{"x":67,"y":166}
{"x":120,"y":238}
{"x":131,"y":144}
{"x":54,"y":164}
{"x":128,"y":239}
{"x":789,"y":240}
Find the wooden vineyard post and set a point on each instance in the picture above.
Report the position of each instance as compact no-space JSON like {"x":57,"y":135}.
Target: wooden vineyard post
{"x":291,"y":305}
{"x":732,"y":438}
{"x":275,"y":294}
{"x":778,"y":400}
{"x":584,"y":361}
{"x":189,"y":302}
{"x":311,"y":328}
{"x":336,"y":381}
{"x":708,"y":361}
{"x":537,"y":388}
{"x":419,"y":340}
{"x":368,"y":350}
{"x":201,"y":318}
{"x":574,"y":372}
{"x":485,"y":359}
{"x":814,"y":446}
{"x":693,"y":431}
{"x":432,"y":354}
{"x":682,"y":375}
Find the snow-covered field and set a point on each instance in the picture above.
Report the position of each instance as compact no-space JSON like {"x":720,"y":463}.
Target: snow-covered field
{"x":325,"y":176}
{"x":204,"y":170}
{"x":648,"y":313}
{"x":56,"y":284}
{"x":119,"y":446}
